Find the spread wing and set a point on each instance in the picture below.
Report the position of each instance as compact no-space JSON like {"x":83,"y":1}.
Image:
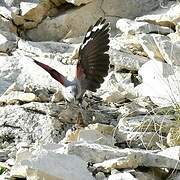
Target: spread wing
{"x":93,"y":61}
{"x":55,"y":74}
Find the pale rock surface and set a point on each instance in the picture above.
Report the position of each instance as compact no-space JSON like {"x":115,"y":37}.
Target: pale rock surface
{"x":128,"y":26}
{"x":59,"y":166}
{"x":79,"y":2}
{"x":122,"y":60}
{"x":172,"y":152}
{"x":94,"y":136}
{"x":168,"y":17}
{"x":14,"y":96}
{"x":170,"y":51}
{"x":45,"y":48}
{"x":26,"y":6}
{"x":68,"y":22}
{"x":5,"y":12}
{"x":116,"y":88}
{"x":174,"y":37}
{"x":127,"y":44}
{"x":9,"y":71}
{"x":7,"y":41}
{"x":30,"y":123}
{"x":121,"y":176}
{"x":136,"y":158}
{"x":150,"y":47}
{"x":160,"y":83}
{"x":148,"y":123}
{"x":147,"y":140}
{"x":173,"y":138}
{"x":129,"y":8}
{"x":66,"y":25}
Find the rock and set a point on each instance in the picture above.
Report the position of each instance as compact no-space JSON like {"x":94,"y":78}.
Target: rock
{"x":128,"y":44}
{"x":160,"y":83}
{"x":26,"y":6}
{"x":57,"y":97}
{"x":178,"y":28}
{"x":31,"y":122}
{"x":119,"y":8}
{"x":174,"y":176}
{"x":94,"y":136}
{"x":7,"y":42}
{"x":16,"y":96}
{"x":67,"y":25}
{"x":148,"y":123}
{"x":3,"y":156}
{"x":149,"y":174}
{"x":116,"y":88}
{"x":143,"y":140}
{"x":94,"y":133}
{"x":4,"y":24}
{"x":136,"y":158}
{"x":100,"y":176}
{"x":5,"y":12}
{"x":168,"y":18}
{"x":174,"y":37}
{"x":122,"y":176}
{"x":150,"y":47}
{"x":173,"y":138}
{"x":44,"y":49}
{"x":59,"y":166}
{"x":172,"y":152}
{"x":128,"y":26}
{"x":9,"y":71}
{"x":122,"y":60}
{"x":70,"y":27}
{"x":170,"y":51}
{"x":79,"y":2}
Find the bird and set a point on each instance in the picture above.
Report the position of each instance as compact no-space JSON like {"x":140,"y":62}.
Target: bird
{"x":92,"y":64}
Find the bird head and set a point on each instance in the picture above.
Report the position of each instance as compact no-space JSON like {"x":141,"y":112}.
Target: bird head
{"x":70,"y":93}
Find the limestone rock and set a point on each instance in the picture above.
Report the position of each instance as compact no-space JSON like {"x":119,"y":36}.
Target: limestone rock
{"x":128,"y":44}
{"x":122,"y":176}
{"x":57,"y":97}
{"x":7,"y":41}
{"x":148,"y":123}
{"x":4,"y":24}
{"x":26,"y":6}
{"x":79,"y":2}
{"x":147,"y":140}
{"x":174,"y":37}
{"x":172,"y":152}
{"x":170,"y":51}
{"x":9,"y":71}
{"x":135,"y":158}
{"x":173,"y":138}
{"x":14,"y":96}
{"x":67,"y":25}
{"x":5,"y":12}
{"x":150,"y":47}
{"x":160,"y":83}
{"x":168,"y":18}
{"x":123,"y":60}
{"x":129,"y":8}
{"x":128,"y":26}
{"x":59,"y":166}
{"x":31,"y":123}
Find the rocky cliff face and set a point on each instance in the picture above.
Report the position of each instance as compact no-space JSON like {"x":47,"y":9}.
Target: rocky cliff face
{"x":130,"y":128}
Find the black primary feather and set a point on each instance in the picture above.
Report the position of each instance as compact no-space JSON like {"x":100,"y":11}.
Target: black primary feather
{"x":94,"y":60}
